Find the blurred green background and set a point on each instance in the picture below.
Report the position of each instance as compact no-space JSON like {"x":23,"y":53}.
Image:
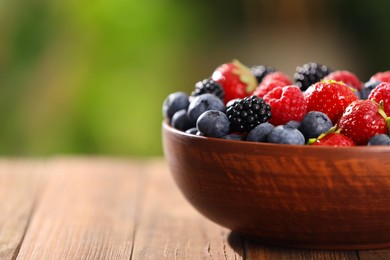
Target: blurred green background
{"x":89,"y":77}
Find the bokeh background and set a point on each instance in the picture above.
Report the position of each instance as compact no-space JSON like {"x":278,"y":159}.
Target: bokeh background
{"x":89,"y":77}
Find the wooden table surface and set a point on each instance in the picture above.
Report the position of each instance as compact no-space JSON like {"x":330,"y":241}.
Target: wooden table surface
{"x":117,"y":208}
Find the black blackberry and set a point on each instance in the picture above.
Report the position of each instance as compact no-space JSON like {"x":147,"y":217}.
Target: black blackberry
{"x":310,"y":73}
{"x":260,"y":71}
{"x":247,"y":113}
{"x":208,"y":86}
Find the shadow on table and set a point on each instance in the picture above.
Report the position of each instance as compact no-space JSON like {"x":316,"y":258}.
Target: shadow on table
{"x":237,"y":242}
{"x":251,"y":249}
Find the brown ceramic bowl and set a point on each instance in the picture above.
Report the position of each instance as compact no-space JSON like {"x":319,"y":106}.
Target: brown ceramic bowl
{"x":286,"y":195}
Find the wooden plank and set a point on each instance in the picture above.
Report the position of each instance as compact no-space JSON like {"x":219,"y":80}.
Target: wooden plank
{"x":19,"y":183}
{"x":86,"y":211}
{"x":169,"y":228}
{"x":257,"y":251}
{"x":117,"y":209}
{"x":383,"y":254}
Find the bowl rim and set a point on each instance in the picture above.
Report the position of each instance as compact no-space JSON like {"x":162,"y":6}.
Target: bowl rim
{"x":360,"y":148}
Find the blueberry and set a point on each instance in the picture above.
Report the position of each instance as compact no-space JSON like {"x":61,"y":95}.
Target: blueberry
{"x":357,"y":92}
{"x":192,"y":130}
{"x":294,"y":124}
{"x":379,"y":139}
{"x":213,"y":123}
{"x":181,"y":121}
{"x":367,"y":88}
{"x":173,"y":103}
{"x":234,"y":137}
{"x":203,"y":103}
{"x":283,"y":134}
{"x":314,"y":124}
{"x":260,"y":132}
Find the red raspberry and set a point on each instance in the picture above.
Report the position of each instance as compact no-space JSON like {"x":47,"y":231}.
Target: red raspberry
{"x":347,"y":77}
{"x":382,"y":94}
{"x":334,"y":139}
{"x":381,"y":76}
{"x":287,"y":103}
{"x":362,"y":120}
{"x":280,"y":76}
{"x":268,"y":85}
{"x":236,"y":80}
{"x":329,"y":97}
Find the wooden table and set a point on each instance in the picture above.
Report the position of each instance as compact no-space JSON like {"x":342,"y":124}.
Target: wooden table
{"x":111,"y":208}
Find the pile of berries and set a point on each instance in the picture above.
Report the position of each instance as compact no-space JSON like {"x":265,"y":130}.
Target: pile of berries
{"x":261,"y":104}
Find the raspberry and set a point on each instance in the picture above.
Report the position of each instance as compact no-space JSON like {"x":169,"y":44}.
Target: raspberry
{"x":310,"y":73}
{"x":247,"y":113}
{"x":381,"y":76}
{"x":268,"y":85}
{"x":382,"y":94}
{"x":280,"y":76}
{"x":329,"y":97}
{"x":347,"y":77}
{"x":271,"y":81}
{"x":287,"y":104}
{"x":208,"y":86}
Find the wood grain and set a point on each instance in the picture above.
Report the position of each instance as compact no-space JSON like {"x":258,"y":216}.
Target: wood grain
{"x":374,"y":254}
{"x":169,"y":228}
{"x":19,"y":183}
{"x":258,"y":251}
{"x":105,"y":208}
{"x":86,"y":211}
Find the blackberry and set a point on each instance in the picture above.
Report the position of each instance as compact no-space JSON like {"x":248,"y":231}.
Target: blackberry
{"x":310,"y":73}
{"x":247,"y":113}
{"x":208,"y":86}
{"x":260,"y":71}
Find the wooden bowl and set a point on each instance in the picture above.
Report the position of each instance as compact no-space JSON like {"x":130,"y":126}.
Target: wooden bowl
{"x":295,"y":196}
